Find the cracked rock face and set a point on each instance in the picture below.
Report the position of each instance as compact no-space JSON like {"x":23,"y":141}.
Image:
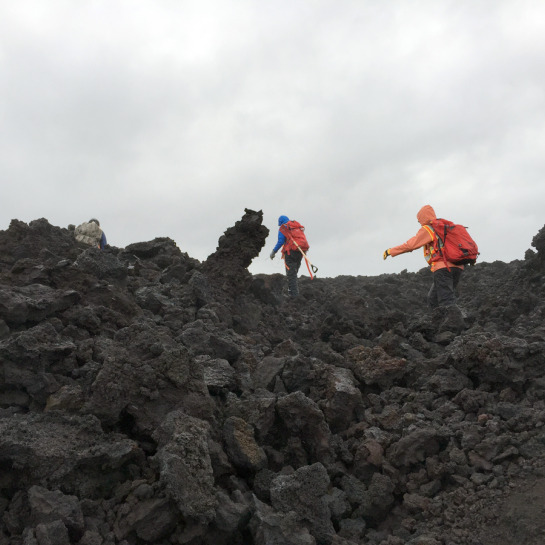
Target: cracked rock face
{"x":146,"y":397}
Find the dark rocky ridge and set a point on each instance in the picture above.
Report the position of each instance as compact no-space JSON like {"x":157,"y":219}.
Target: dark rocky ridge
{"x":149,"y":398}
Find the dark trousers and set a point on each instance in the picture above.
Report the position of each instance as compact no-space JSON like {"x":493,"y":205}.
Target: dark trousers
{"x":443,"y":289}
{"x":293,"y":262}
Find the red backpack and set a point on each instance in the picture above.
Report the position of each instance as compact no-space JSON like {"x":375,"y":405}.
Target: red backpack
{"x":454,"y":243}
{"x":295,"y":235}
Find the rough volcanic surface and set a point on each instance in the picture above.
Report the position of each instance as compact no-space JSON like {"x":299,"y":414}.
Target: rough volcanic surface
{"x":148,"y":398}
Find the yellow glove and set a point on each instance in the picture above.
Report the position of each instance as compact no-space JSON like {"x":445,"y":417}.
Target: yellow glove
{"x":386,"y":254}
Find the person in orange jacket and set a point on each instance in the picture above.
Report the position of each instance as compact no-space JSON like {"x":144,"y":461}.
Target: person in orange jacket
{"x":446,"y":275}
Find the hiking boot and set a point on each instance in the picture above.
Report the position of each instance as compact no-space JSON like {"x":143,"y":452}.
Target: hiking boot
{"x":453,"y":320}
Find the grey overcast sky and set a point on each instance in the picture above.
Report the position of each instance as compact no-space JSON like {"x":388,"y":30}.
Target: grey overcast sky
{"x":169,"y":117}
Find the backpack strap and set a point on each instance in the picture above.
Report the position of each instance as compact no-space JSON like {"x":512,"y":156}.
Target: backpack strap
{"x":438,"y":242}
{"x":431,"y":232}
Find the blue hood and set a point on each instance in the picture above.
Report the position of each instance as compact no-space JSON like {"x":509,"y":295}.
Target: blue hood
{"x":282,"y":220}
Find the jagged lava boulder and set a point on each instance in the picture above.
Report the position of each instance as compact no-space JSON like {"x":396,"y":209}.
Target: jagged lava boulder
{"x":146,"y":397}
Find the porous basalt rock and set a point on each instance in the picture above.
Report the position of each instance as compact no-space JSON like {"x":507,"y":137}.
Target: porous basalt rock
{"x":228,"y":266}
{"x":146,"y":397}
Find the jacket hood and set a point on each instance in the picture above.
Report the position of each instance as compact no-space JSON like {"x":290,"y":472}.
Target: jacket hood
{"x":282,"y":220}
{"x":426,"y":215}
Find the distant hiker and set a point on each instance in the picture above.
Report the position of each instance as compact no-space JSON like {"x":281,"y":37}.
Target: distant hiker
{"x":91,"y":233}
{"x":292,"y":240}
{"x":446,"y":266}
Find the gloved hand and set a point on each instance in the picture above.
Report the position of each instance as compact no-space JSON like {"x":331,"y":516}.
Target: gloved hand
{"x":273,"y":254}
{"x":386,"y":254}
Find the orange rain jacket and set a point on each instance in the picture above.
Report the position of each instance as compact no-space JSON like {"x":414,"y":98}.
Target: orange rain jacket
{"x":425,"y":237}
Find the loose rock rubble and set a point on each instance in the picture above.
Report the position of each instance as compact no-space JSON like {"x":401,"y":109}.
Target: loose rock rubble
{"x":148,"y":398}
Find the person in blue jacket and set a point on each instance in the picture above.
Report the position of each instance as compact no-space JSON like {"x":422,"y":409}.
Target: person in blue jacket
{"x":292,"y":259}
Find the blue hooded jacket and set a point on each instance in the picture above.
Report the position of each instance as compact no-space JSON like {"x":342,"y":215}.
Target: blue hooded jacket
{"x":281,"y":237}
